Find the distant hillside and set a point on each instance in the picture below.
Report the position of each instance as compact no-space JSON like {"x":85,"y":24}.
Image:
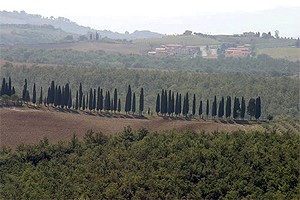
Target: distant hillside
{"x":12,"y":34}
{"x":68,"y":25}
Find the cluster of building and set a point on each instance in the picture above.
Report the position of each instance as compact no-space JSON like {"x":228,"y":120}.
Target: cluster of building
{"x":203,"y":51}
{"x":238,"y":52}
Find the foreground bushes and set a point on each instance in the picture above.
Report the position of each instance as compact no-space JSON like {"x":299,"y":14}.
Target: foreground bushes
{"x":143,"y":165}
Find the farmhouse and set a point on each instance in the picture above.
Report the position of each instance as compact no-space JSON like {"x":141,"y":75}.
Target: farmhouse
{"x":175,"y":49}
{"x":238,"y":52}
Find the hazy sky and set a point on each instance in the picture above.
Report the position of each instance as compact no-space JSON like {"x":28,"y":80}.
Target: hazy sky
{"x":122,"y":15}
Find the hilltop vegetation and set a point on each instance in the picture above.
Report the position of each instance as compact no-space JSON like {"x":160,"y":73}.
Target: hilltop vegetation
{"x":139,"y":164}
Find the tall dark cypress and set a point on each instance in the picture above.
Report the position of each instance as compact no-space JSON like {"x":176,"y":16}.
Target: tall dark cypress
{"x":34,"y":94}
{"x":111,"y":105}
{"x":77,"y":101}
{"x":115,"y":100}
{"x":24,"y":91}
{"x":207,"y":108}
{"x":87,"y":101}
{"x":27,"y":96}
{"x":166,"y":102}
{"x":55,"y":96}
{"x":91,"y":99}
{"x":184,"y":113}
{"x":221,"y":108}
{"x":53,"y":90}
{"x":133,"y":103}
{"x":236,"y":108}
{"x":141,"y":105}
{"x":194,"y":105}
{"x":13,"y":91}
{"x":80,"y":93}
{"x":172,"y":104}
{"x":200,"y":109}
{"x":257,"y":108}
{"x":157,"y":107}
{"x":162,"y":109}
{"x":107,"y":101}
{"x":98,"y":99}
{"x":41,"y":96}
{"x":228,"y":107}
{"x":83,"y":102}
{"x":94,"y":100}
{"x":251,"y":108}
{"x":101,"y":100}
{"x":243,"y":108}
{"x":169,"y":103}
{"x":177,"y":104}
{"x":128,"y":100}
{"x":214,"y":108}
{"x":70,"y":99}
{"x":9,"y":87}
{"x":119,"y":105}
{"x":3,"y":89}
{"x":187,"y":104}
{"x":67,"y":94}
{"x":63,"y":97}
{"x":48,"y":96}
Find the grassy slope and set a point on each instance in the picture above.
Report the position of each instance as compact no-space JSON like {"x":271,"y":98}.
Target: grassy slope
{"x":291,"y":53}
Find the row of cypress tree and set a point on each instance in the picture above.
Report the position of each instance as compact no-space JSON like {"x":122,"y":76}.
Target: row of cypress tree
{"x":167,"y":103}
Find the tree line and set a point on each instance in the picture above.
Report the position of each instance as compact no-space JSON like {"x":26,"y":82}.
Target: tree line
{"x":167,"y":103}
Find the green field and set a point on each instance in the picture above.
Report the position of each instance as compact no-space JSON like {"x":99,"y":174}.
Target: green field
{"x":288,"y":53}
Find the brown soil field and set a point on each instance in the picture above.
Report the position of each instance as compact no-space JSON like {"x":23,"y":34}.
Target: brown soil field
{"x":28,"y":126}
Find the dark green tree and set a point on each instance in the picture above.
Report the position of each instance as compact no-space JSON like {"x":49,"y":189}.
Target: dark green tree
{"x":9,"y":89}
{"x":115,"y":100}
{"x":184,"y":113}
{"x":207,"y":108}
{"x":221,"y":108}
{"x":194,"y":105}
{"x":91,"y":99}
{"x":77,"y":101}
{"x":228,"y":107}
{"x":3,"y":87}
{"x":200,"y":109}
{"x":243,"y":108}
{"x":128,"y":100}
{"x":83,"y":102}
{"x":34,"y":94}
{"x":27,"y":96}
{"x":157,"y":107}
{"x":141,"y":105}
{"x":257,"y":108}
{"x":80,"y":96}
{"x":177,"y":104}
{"x":13,"y":91}
{"x":170,"y":103}
{"x":251,"y":108}
{"x":41,"y":96}
{"x":66,"y":94}
{"x":53,"y":90}
{"x":214,"y":108}
{"x":70,"y":99}
{"x":165,"y":102}
{"x":119,"y":105}
{"x":162,"y":102}
{"x":101,"y":100}
{"x":107,"y":101}
{"x":98,"y":99}
{"x":87,"y":101}
{"x":24,"y":91}
{"x":133,"y":103}
{"x":94,"y":100}
{"x":63,"y":97}
{"x":236,"y":108}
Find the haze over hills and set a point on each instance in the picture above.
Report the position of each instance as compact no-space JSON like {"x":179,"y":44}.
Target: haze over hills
{"x":69,"y":26}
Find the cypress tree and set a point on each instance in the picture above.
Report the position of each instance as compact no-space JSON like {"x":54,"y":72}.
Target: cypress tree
{"x":141,"y":105}
{"x":9,"y":87}
{"x":228,"y":107}
{"x":24,"y":90}
{"x":83,"y":102}
{"x":119,"y":105}
{"x":3,"y":88}
{"x":133,"y":103}
{"x":111,"y":105}
{"x":87,"y":101}
{"x":77,"y":101}
{"x":169,"y":103}
{"x":166,"y":102}
{"x":172,"y":104}
{"x":80,"y":96}
{"x":48,"y":96}
{"x":55,"y":102}
{"x":157,"y":108}
{"x":243,"y":108}
{"x":184,"y":113}
{"x":162,"y":109}
{"x":101,"y":100}
{"x":34,"y":94}
{"x":200,"y":109}
{"x":53,"y":90}
{"x":91,"y":99}
{"x":13,"y":91}
{"x":257,"y":108}
{"x":98,"y":99}
{"x":220,"y":109}
{"x":251,"y":109}
{"x":63,"y":96}
{"x":41,"y":96}
{"x":187,"y":105}
{"x":115,"y":100}
{"x":177,"y":104}
{"x":214,"y":108}
{"x":194,"y":105}
{"x":45,"y":101}
{"x":66,"y":94}
{"x":236,"y":108}
{"x":70,"y":99}
{"x":27,"y":96}
{"x":94,"y":100}
{"x":128,"y":100}
{"x":207,"y":108}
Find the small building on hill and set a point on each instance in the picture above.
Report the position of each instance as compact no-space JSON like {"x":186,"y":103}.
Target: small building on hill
{"x":238,"y":52}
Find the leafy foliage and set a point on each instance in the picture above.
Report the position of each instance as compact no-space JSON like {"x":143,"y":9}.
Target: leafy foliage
{"x":143,"y":165}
